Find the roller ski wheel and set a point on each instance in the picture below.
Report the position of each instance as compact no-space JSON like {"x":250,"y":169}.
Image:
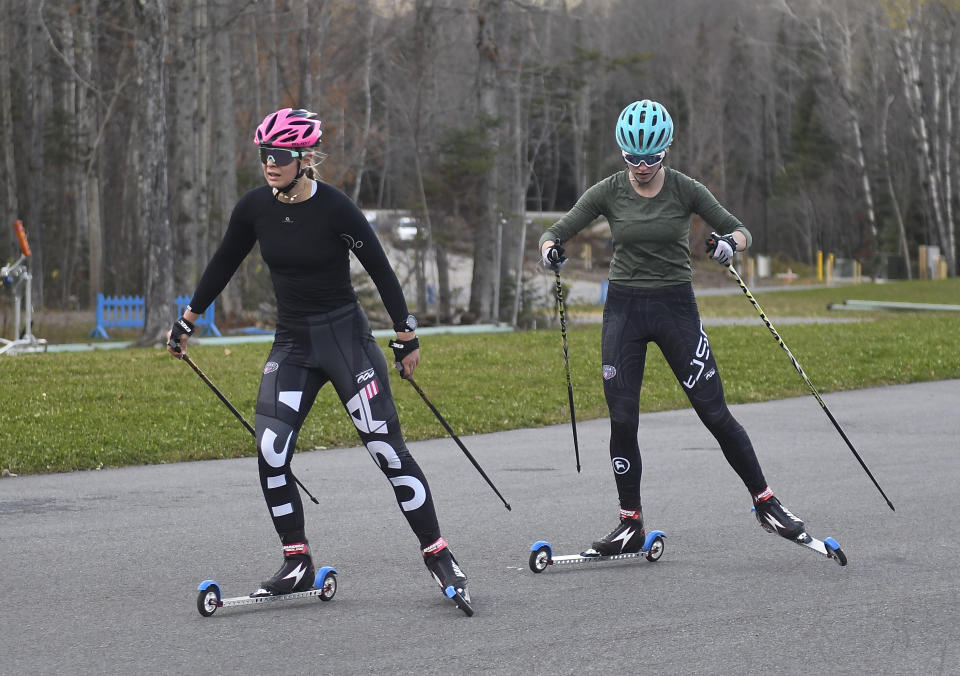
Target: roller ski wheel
{"x":210,"y":598}
{"x":461,"y":603}
{"x":447,"y":573}
{"x":541,"y":553}
{"x":827,"y":547}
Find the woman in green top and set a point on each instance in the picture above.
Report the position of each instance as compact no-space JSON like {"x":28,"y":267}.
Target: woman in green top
{"x":650,"y":299}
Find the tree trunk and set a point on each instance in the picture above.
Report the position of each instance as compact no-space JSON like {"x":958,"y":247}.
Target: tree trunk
{"x":838,"y":56}
{"x":273,"y":67}
{"x":203,"y":132}
{"x":486,"y":271}
{"x":224,"y":144}
{"x":305,"y":38}
{"x":87,"y":124}
{"x":184,"y":176}
{"x":72,"y":182}
{"x":907,"y":47}
{"x":894,"y":202}
{"x":360,"y":165}
{"x":151,"y":52}
{"x":946,"y":77}
{"x":7,"y":133}
{"x":37,"y":105}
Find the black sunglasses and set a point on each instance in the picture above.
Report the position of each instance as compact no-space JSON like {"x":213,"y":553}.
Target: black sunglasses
{"x":648,"y":160}
{"x":279,"y":156}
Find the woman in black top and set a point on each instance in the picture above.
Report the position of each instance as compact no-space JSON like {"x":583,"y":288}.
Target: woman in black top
{"x":306,"y":230}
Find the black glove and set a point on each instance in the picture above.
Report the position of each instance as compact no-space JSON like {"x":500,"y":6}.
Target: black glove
{"x":721,"y":248}
{"x":401,"y":348}
{"x":181,"y":327}
{"x":554,"y":258}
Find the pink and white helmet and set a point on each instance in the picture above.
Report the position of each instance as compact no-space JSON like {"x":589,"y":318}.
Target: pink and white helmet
{"x":289,"y":128}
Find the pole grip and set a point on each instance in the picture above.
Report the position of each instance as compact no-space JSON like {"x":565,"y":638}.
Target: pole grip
{"x":22,"y":238}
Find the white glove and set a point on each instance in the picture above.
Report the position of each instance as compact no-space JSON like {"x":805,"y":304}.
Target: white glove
{"x":721,"y":248}
{"x":553,"y":257}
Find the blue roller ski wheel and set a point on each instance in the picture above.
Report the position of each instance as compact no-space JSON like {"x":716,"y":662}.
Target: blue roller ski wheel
{"x":208,"y":598}
{"x":541,"y":555}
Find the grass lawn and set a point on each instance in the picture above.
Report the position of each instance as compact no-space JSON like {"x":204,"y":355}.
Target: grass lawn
{"x":83,"y":410}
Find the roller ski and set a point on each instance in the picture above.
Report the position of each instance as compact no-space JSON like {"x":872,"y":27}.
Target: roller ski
{"x":777,"y":519}
{"x":447,"y":572}
{"x":628,"y":540}
{"x":296,"y":579}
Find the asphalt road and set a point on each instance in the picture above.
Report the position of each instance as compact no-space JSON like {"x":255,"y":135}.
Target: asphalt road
{"x":99,"y":569}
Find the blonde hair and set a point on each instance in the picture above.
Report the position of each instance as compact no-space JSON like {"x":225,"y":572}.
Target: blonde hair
{"x":313,"y":160}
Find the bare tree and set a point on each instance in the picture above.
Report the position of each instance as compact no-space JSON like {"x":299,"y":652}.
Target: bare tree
{"x":151,"y":52}
{"x":774,"y":107}
{"x":484,"y":289}
{"x":917,"y":35}
{"x":833,"y":28}
{"x":360,"y":163}
{"x":894,"y":200}
{"x":36,"y":105}
{"x":223,"y":142}
{"x":7,"y":132}
{"x":187,"y":163}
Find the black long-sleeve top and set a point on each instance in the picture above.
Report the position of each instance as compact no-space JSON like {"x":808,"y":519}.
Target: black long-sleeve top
{"x":306,"y":247}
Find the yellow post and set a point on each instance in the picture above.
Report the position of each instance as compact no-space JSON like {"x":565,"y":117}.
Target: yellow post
{"x":829,"y":273}
{"x":942,"y":268}
{"x":751,"y":264}
{"x":922,"y":262}
{"x":819,"y":265}
{"x":856,"y":272}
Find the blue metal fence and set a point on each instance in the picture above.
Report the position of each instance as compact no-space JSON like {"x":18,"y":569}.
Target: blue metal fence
{"x":126,"y":312}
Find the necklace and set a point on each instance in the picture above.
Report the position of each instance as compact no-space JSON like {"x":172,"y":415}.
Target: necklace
{"x":284,"y":197}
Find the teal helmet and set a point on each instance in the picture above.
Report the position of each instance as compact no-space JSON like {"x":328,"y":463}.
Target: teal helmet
{"x":644,"y":128}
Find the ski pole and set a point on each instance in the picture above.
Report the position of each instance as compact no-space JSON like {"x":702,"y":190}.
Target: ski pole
{"x":454,"y":436}
{"x":562,"y":307}
{"x":185,"y":357}
{"x":803,"y":375}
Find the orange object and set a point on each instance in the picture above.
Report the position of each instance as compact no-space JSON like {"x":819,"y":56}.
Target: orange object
{"x":22,"y":238}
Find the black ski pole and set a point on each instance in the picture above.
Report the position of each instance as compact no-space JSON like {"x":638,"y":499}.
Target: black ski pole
{"x":454,"y":436}
{"x":562,"y":307}
{"x":803,"y":375}
{"x":185,"y":357}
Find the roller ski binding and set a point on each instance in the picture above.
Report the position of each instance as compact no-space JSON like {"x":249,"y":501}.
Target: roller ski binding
{"x":296,"y":579}
{"x":447,"y":572}
{"x":628,"y":540}
{"x":777,"y":519}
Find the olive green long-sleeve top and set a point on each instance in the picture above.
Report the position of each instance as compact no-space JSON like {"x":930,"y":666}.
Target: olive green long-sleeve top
{"x":651,"y":235}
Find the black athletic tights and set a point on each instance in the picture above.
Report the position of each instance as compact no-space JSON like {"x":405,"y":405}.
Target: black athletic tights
{"x":334,"y":347}
{"x":668,"y":316}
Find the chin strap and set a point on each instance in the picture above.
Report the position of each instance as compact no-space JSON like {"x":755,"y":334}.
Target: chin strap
{"x":291,"y":184}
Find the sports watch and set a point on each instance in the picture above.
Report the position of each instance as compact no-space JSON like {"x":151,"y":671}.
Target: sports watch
{"x":409,"y":324}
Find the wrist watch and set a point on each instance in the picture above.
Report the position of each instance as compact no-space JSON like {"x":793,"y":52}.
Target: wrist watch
{"x":409,"y":324}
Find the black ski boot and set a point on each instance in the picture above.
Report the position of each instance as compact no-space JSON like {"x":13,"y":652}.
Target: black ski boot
{"x":775,"y":518}
{"x":626,"y":538}
{"x":447,"y":572}
{"x":295,"y":575}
